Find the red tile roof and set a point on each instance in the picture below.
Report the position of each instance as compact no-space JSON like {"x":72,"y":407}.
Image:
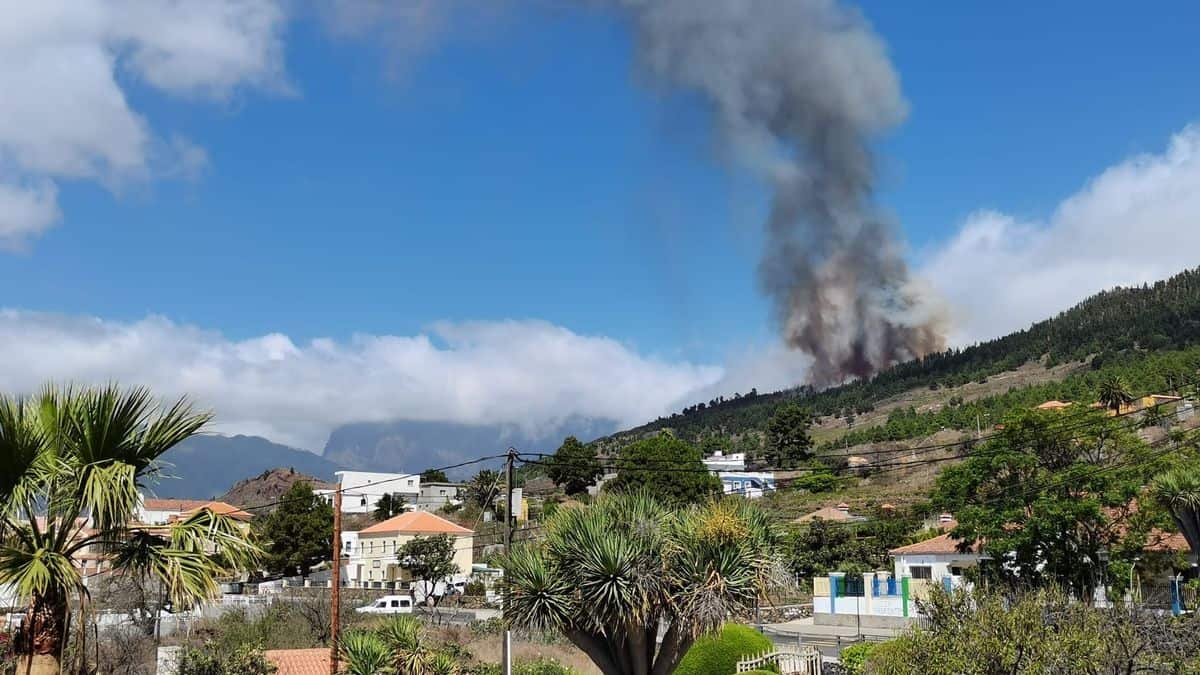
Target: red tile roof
{"x":1159,"y":541}
{"x":172,"y":504}
{"x":827,"y":513}
{"x":1054,"y":405}
{"x":223,"y":509}
{"x":941,"y":544}
{"x":416,"y":522}
{"x":299,"y":661}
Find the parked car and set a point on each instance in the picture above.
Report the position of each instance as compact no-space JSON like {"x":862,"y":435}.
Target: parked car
{"x":388,"y":604}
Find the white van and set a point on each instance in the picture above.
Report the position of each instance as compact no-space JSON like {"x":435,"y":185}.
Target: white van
{"x":388,"y":604}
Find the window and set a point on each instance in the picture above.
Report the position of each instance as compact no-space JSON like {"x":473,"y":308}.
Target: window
{"x":410,"y":483}
{"x":349,"y":545}
{"x":395,"y":603}
{"x":375,"y":564}
{"x":920,"y":571}
{"x":370,"y":547}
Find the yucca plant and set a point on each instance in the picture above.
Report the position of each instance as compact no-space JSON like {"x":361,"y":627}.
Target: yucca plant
{"x":402,"y":635}
{"x":365,"y":653}
{"x":441,"y":663}
{"x":1178,"y":490}
{"x":71,"y":465}
{"x":609,"y":575}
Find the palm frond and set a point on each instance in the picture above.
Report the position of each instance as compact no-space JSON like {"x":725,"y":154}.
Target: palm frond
{"x":536,"y":593}
{"x":38,"y":572}
{"x":217,"y":535}
{"x":22,"y":449}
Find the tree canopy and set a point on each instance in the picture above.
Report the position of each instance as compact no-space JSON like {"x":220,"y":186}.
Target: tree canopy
{"x":666,"y":467}
{"x":482,"y":489}
{"x":434,"y":476}
{"x":574,"y":466}
{"x":787,"y":436}
{"x":429,"y":558}
{"x":299,"y":534}
{"x":389,"y":504}
{"x":1045,"y":496}
{"x":611,"y":575}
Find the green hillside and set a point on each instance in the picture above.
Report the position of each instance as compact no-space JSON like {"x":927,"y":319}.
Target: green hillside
{"x":1150,"y":335}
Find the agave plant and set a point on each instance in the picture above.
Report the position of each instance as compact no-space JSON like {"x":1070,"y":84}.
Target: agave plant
{"x":611,"y":575}
{"x":71,"y":464}
{"x":442,"y":663}
{"x":1179,"y":491}
{"x":365,"y":653}
{"x":402,"y":635}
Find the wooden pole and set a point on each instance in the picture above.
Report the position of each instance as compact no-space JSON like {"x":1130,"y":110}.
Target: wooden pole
{"x":509,"y":520}
{"x":335,"y":593}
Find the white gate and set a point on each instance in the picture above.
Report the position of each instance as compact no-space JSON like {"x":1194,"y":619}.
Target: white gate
{"x":806,"y":661}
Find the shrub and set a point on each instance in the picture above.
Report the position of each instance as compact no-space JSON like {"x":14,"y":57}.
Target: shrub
{"x":718,"y":654}
{"x":542,"y":666}
{"x":208,"y":660}
{"x":818,"y":482}
{"x":854,"y":657}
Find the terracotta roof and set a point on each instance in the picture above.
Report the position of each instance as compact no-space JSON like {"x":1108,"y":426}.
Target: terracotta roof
{"x":1159,"y":541}
{"x":172,"y":504}
{"x":223,"y":509}
{"x":299,"y":661}
{"x":416,"y":522}
{"x":941,"y":544}
{"x":828,"y":513}
{"x":1054,"y":405}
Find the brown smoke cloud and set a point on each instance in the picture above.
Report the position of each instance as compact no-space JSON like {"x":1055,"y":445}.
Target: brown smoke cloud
{"x":800,"y":89}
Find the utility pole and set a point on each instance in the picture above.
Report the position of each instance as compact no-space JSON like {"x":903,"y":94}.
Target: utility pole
{"x":335,"y":593}
{"x":510,"y":520}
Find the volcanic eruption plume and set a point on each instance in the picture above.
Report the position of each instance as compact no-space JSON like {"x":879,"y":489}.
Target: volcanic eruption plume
{"x":799,"y":89}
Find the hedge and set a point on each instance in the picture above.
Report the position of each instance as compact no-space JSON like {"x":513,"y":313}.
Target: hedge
{"x":718,"y":653}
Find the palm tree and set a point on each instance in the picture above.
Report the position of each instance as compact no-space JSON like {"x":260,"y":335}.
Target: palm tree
{"x":1178,"y":490}
{"x":389,"y":504}
{"x":1114,"y":393}
{"x":609,"y":575}
{"x":365,"y":653}
{"x":71,"y":464}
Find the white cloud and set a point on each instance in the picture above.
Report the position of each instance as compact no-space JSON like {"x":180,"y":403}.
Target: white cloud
{"x":26,"y":211}
{"x":528,"y":373}
{"x":1137,"y":222}
{"x":64,"y":113}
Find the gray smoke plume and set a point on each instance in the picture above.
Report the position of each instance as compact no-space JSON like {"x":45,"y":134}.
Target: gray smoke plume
{"x":799,"y":89}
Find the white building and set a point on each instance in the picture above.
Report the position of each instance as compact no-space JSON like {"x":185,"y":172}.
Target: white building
{"x":734,"y":461}
{"x":362,"y":489}
{"x":152,"y":511}
{"x":371,"y":561}
{"x":749,"y":484}
{"x":735,"y":480}
{"x":934,"y":560}
{"x":436,"y":495}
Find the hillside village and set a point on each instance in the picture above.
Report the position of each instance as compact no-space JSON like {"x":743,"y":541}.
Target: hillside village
{"x":881,"y":512}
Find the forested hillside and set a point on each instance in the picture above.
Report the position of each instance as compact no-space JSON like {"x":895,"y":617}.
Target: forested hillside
{"x":1115,"y":328}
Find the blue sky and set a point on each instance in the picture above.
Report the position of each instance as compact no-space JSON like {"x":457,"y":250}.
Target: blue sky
{"x":522,"y":169}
